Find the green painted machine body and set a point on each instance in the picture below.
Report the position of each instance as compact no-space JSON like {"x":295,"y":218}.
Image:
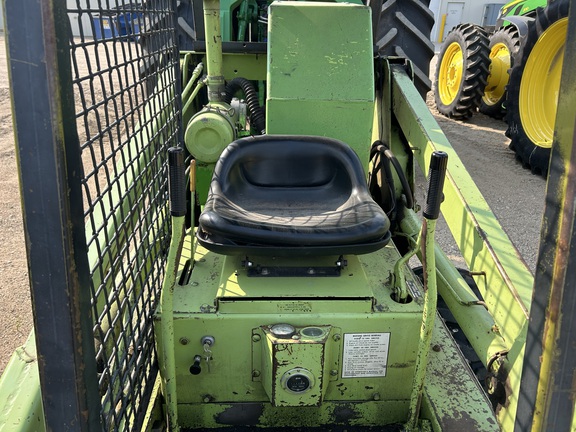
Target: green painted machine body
{"x":310,"y":350}
{"x":288,"y":336}
{"x":349,"y":339}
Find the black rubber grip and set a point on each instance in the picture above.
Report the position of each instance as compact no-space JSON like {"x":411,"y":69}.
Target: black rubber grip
{"x":177,"y":181}
{"x":438,"y":164}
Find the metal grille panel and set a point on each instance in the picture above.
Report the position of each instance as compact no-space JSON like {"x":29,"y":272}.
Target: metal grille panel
{"x":124,"y":74}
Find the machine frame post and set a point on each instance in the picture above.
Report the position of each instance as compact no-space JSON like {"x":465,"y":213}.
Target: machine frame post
{"x":48,"y":148}
{"x":547,"y":389}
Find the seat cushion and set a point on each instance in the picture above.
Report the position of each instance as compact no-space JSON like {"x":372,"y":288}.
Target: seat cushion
{"x":294,"y":191}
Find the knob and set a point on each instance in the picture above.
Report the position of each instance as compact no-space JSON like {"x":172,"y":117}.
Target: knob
{"x":195,"y":369}
{"x":437,"y":172}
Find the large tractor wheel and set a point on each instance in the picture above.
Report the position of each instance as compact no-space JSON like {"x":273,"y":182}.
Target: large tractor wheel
{"x":155,"y":36}
{"x":534,"y":86}
{"x":461,"y":71}
{"x":402,"y":28}
{"x":503,"y":47}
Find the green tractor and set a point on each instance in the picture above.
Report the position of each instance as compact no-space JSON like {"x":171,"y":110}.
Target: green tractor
{"x":513,"y":72}
{"x":220,"y":238}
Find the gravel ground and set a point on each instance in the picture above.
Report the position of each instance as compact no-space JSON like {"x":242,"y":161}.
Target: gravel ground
{"x":515,"y":195}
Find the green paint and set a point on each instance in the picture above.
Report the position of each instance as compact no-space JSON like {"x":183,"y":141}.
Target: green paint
{"x":215,"y":78}
{"x":330,"y":90}
{"x":21,"y":402}
{"x":249,"y":66}
{"x":506,"y":283}
{"x":220,"y":300}
{"x":507,"y":286}
{"x":167,"y":323}
{"x":428,"y":316}
{"x":453,"y":398}
{"x":332,"y":412}
{"x":520,"y":7}
{"x":210,"y":131}
{"x":475,"y":321}
{"x":279,"y":373}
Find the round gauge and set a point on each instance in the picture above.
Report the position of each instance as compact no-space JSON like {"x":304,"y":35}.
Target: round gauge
{"x":297,"y":380}
{"x":312,"y":332}
{"x":298,"y":383}
{"x":282,"y":331}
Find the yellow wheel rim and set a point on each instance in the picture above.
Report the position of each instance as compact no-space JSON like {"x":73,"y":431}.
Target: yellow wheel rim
{"x":540,"y":84}
{"x":498,"y":78}
{"x":450,"y":75}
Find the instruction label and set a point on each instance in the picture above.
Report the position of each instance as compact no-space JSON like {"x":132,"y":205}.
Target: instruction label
{"x":365,"y":355}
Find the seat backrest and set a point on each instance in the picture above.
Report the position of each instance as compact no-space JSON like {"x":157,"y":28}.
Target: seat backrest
{"x":305,"y":167}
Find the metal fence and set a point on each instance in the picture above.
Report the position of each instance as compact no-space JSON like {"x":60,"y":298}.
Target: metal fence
{"x":92,"y":154}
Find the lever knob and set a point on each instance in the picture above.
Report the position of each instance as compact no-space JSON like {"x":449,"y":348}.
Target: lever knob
{"x":195,"y":369}
{"x":438,"y":164}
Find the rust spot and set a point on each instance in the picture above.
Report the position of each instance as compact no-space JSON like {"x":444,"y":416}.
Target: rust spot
{"x":379,"y":308}
{"x":244,"y":414}
{"x":345,"y":413}
{"x":459,"y":421}
{"x":402,"y":365}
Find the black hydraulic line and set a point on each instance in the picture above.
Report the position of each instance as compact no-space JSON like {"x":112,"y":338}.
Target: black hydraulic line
{"x":402,"y":176}
{"x":382,"y":164}
{"x":380,"y":147}
{"x":256,"y":113}
{"x":390,"y":182}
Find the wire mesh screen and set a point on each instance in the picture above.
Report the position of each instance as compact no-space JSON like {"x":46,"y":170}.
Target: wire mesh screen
{"x":125,"y":78}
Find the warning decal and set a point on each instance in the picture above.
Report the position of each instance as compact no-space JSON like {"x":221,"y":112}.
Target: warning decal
{"x":365,"y":355}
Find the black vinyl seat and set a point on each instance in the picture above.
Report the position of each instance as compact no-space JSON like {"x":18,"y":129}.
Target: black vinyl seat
{"x":291,"y":195}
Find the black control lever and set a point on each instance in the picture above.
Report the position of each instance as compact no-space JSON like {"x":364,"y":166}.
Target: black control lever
{"x":177,"y":181}
{"x":438,"y":164}
{"x":195,"y":369}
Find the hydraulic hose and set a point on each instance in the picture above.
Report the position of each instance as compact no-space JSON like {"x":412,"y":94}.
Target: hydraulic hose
{"x":256,"y":114}
{"x":402,"y":176}
{"x":386,"y":158}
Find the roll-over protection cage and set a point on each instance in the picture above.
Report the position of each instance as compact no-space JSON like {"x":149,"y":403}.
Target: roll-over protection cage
{"x":92,"y":139}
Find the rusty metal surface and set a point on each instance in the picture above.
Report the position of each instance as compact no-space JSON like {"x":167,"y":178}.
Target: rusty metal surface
{"x":453,"y":398}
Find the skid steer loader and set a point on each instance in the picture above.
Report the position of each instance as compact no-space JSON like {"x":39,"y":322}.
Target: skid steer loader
{"x":231,"y":250}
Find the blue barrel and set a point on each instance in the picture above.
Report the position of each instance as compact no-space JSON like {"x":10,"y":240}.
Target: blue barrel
{"x":135,"y":23}
{"x":123,"y":23}
{"x":104,"y":26}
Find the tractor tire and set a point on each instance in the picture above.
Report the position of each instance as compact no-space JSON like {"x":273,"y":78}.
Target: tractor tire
{"x":402,"y":29}
{"x":504,"y":45}
{"x":154,"y":38}
{"x":462,"y":71}
{"x":534,"y":86}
